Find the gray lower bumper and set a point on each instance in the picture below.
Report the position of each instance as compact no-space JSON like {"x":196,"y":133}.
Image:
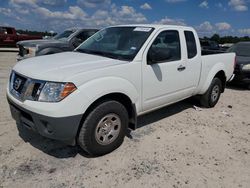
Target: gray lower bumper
{"x":63,"y":128}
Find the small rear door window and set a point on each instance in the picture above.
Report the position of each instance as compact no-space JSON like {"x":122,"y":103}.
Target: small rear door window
{"x":191,"y":44}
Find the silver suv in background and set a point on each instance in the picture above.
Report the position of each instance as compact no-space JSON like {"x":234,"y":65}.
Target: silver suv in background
{"x":65,"y":41}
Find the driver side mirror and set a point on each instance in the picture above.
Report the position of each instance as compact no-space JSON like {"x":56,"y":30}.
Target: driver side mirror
{"x":158,"y":55}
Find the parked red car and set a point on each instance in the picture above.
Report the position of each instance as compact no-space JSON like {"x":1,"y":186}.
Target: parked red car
{"x":9,"y":36}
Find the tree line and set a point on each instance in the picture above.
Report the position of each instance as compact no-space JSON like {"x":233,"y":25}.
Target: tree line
{"x":41,"y":33}
{"x":227,"y":39}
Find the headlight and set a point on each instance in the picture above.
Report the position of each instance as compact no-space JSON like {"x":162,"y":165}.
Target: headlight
{"x":24,"y":88}
{"x":55,"y":92}
{"x":246,"y":67}
{"x":32,"y":51}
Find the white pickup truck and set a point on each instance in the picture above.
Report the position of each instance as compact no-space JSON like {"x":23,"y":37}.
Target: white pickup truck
{"x":92,"y":95}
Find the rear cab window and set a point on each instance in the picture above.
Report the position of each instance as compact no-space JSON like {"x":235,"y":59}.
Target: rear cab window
{"x":191,"y":44}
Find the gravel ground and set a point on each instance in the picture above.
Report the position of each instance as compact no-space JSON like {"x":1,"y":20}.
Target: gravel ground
{"x":177,"y":146}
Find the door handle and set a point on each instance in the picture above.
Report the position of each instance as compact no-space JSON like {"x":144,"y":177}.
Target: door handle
{"x":181,"y":68}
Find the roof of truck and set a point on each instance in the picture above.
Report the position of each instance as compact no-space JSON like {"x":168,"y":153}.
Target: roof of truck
{"x":156,"y":26}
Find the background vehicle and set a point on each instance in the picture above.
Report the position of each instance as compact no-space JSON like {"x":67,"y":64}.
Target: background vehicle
{"x":242,"y":67}
{"x":9,"y":36}
{"x":226,"y":46}
{"x":65,"y":41}
{"x":210,"y":47}
{"x":92,"y":95}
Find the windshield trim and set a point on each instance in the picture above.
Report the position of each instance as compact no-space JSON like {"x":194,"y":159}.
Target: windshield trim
{"x":113,"y":55}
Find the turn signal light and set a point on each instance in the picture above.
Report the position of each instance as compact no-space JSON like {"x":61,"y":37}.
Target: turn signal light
{"x":68,"y":88}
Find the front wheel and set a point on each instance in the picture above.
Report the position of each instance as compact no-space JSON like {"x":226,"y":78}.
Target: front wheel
{"x":211,"y":97}
{"x":104,"y":128}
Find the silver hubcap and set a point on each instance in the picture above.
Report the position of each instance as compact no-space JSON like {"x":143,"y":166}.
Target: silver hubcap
{"x":108,"y":129}
{"x":215,"y":93}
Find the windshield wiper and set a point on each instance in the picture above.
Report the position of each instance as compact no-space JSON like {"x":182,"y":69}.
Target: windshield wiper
{"x":82,"y":51}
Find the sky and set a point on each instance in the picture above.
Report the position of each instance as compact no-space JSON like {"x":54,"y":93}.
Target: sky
{"x":225,"y":17}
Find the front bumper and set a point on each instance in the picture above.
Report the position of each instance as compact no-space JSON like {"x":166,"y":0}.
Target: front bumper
{"x":58,"y":128}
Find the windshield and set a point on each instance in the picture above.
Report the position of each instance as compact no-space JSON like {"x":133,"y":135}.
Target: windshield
{"x":64,"y":35}
{"x":116,"y":42}
{"x":241,"y":49}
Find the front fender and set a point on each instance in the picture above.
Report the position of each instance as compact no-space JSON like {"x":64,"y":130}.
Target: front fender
{"x":99,"y":87}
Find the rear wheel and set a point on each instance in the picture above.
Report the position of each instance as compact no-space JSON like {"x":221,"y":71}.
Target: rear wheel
{"x":211,"y":97}
{"x":104,"y":128}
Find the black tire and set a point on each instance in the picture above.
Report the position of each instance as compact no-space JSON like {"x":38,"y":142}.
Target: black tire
{"x":87,"y":135}
{"x":248,"y":86}
{"x":208,"y":100}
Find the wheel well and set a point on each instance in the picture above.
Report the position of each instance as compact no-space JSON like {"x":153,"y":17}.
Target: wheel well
{"x":123,"y":99}
{"x":221,"y":75}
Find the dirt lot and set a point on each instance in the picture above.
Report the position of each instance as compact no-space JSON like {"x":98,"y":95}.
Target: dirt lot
{"x":176,"y":146}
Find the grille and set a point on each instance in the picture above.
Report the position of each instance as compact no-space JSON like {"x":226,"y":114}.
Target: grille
{"x":36,"y":90}
{"x":24,"y":88}
{"x":18,"y":83}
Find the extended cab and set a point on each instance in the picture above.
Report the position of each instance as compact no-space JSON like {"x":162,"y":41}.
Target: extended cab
{"x":9,"y":36}
{"x":92,"y":95}
{"x":68,"y":40}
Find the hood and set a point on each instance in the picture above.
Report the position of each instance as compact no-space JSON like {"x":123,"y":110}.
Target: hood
{"x":34,"y":43}
{"x":62,"y":66}
{"x":242,"y":60}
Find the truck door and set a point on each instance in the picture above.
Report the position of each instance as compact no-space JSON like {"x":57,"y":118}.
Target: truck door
{"x":164,"y":78}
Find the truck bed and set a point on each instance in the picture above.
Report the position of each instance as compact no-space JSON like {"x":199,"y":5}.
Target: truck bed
{"x":212,"y":62}
{"x":210,"y":52}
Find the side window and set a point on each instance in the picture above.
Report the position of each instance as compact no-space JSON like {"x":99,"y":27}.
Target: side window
{"x":85,"y":35}
{"x":166,"y":47}
{"x":90,"y":33}
{"x":82,"y":36}
{"x":191,"y":44}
